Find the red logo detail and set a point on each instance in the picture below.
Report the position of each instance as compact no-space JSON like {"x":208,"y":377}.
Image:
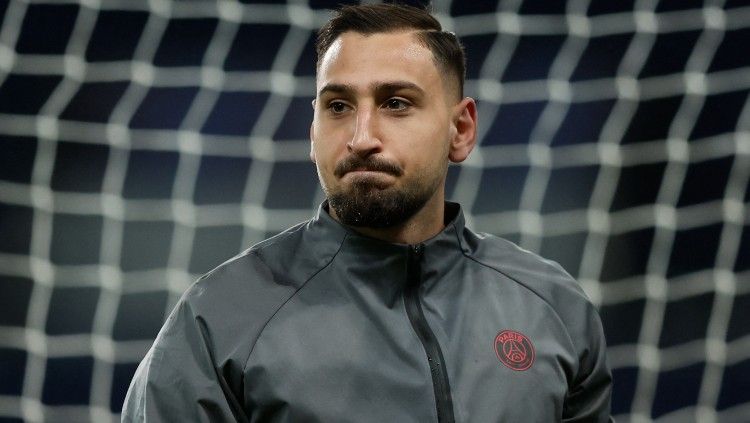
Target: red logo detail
{"x":514,"y":350}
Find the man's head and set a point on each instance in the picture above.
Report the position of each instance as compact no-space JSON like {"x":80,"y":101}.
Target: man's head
{"x":389,"y":114}
{"x":381,"y":18}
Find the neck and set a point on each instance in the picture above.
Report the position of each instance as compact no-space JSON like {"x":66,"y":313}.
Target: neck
{"x":425,"y":224}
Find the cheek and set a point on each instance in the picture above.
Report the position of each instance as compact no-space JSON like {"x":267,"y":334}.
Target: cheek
{"x":429,"y":144}
{"x":326,"y":156}
{"x":327,"y":150}
{"x":330,"y":139}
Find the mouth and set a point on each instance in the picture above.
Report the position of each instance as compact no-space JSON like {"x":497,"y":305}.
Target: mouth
{"x":366,"y":168}
{"x":367,"y":173}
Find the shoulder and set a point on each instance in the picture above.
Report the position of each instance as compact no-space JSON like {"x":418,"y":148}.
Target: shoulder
{"x":273,"y":268}
{"x":544,"y":277}
{"x":247,"y":271}
{"x":540,"y":277}
{"x":238,"y":297}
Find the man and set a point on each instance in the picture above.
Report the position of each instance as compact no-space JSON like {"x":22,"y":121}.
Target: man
{"x":383,"y":307}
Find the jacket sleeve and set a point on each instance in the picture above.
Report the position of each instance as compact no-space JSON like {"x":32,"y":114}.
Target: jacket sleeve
{"x":589,"y":397}
{"x":178,"y":380}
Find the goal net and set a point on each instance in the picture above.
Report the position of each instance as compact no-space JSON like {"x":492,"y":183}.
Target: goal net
{"x":144,"y":142}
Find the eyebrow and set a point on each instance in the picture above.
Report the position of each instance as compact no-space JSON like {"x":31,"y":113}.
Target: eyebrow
{"x":336,"y":88}
{"x":378,"y":87}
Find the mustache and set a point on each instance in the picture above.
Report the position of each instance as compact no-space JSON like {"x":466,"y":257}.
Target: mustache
{"x":352,"y":163}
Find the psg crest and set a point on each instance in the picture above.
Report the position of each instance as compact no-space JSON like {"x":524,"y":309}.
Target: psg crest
{"x":514,"y":350}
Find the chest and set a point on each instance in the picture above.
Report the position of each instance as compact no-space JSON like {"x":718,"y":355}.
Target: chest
{"x":343,"y":355}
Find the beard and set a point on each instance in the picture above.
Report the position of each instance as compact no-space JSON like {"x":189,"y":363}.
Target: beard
{"x":366,"y":203}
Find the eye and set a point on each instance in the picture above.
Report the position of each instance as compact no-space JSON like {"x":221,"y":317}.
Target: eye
{"x":338,"y":107}
{"x":396,"y":104}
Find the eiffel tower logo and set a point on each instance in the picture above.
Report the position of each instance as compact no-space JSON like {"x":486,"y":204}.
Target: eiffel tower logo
{"x":515,"y":351}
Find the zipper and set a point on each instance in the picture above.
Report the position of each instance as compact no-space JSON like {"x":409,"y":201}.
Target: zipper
{"x":443,"y":400}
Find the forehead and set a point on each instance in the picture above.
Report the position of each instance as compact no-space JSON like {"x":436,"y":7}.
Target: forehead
{"x":358,"y":59}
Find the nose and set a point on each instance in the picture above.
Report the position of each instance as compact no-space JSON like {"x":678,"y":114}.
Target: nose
{"x":365,"y":141}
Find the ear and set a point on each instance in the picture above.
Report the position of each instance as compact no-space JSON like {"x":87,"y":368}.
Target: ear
{"x":312,"y":143}
{"x":464,"y":136}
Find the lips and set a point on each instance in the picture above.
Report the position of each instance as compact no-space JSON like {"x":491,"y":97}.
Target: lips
{"x":367,"y":173}
{"x":367,"y":169}
{"x":356,"y":164}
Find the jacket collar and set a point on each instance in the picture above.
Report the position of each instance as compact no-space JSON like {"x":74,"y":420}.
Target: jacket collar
{"x":326,"y":230}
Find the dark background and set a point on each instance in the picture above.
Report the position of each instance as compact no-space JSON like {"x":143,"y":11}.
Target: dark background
{"x":143,"y":143}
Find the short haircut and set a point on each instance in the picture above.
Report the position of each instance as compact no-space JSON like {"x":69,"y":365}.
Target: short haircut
{"x":446,"y":49}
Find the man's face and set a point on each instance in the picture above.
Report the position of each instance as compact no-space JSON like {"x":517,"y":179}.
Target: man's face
{"x":381,"y":130}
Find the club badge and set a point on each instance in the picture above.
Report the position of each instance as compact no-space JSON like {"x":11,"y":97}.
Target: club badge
{"x":514,"y":350}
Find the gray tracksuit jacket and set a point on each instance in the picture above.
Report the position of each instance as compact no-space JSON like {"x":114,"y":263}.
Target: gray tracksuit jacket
{"x":321,"y":324}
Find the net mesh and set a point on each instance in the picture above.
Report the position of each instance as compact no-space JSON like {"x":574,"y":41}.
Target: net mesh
{"x":144,"y":142}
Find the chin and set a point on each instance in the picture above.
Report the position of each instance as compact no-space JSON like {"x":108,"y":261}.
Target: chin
{"x":369,"y":205}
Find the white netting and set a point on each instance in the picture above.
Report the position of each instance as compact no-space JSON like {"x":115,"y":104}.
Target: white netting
{"x":144,"y":142}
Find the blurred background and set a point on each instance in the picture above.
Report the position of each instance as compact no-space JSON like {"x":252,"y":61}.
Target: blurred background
{"x":142,"y":143}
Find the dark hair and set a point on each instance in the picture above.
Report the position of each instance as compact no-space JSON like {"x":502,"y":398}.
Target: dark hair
{"x":446,"y":49}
